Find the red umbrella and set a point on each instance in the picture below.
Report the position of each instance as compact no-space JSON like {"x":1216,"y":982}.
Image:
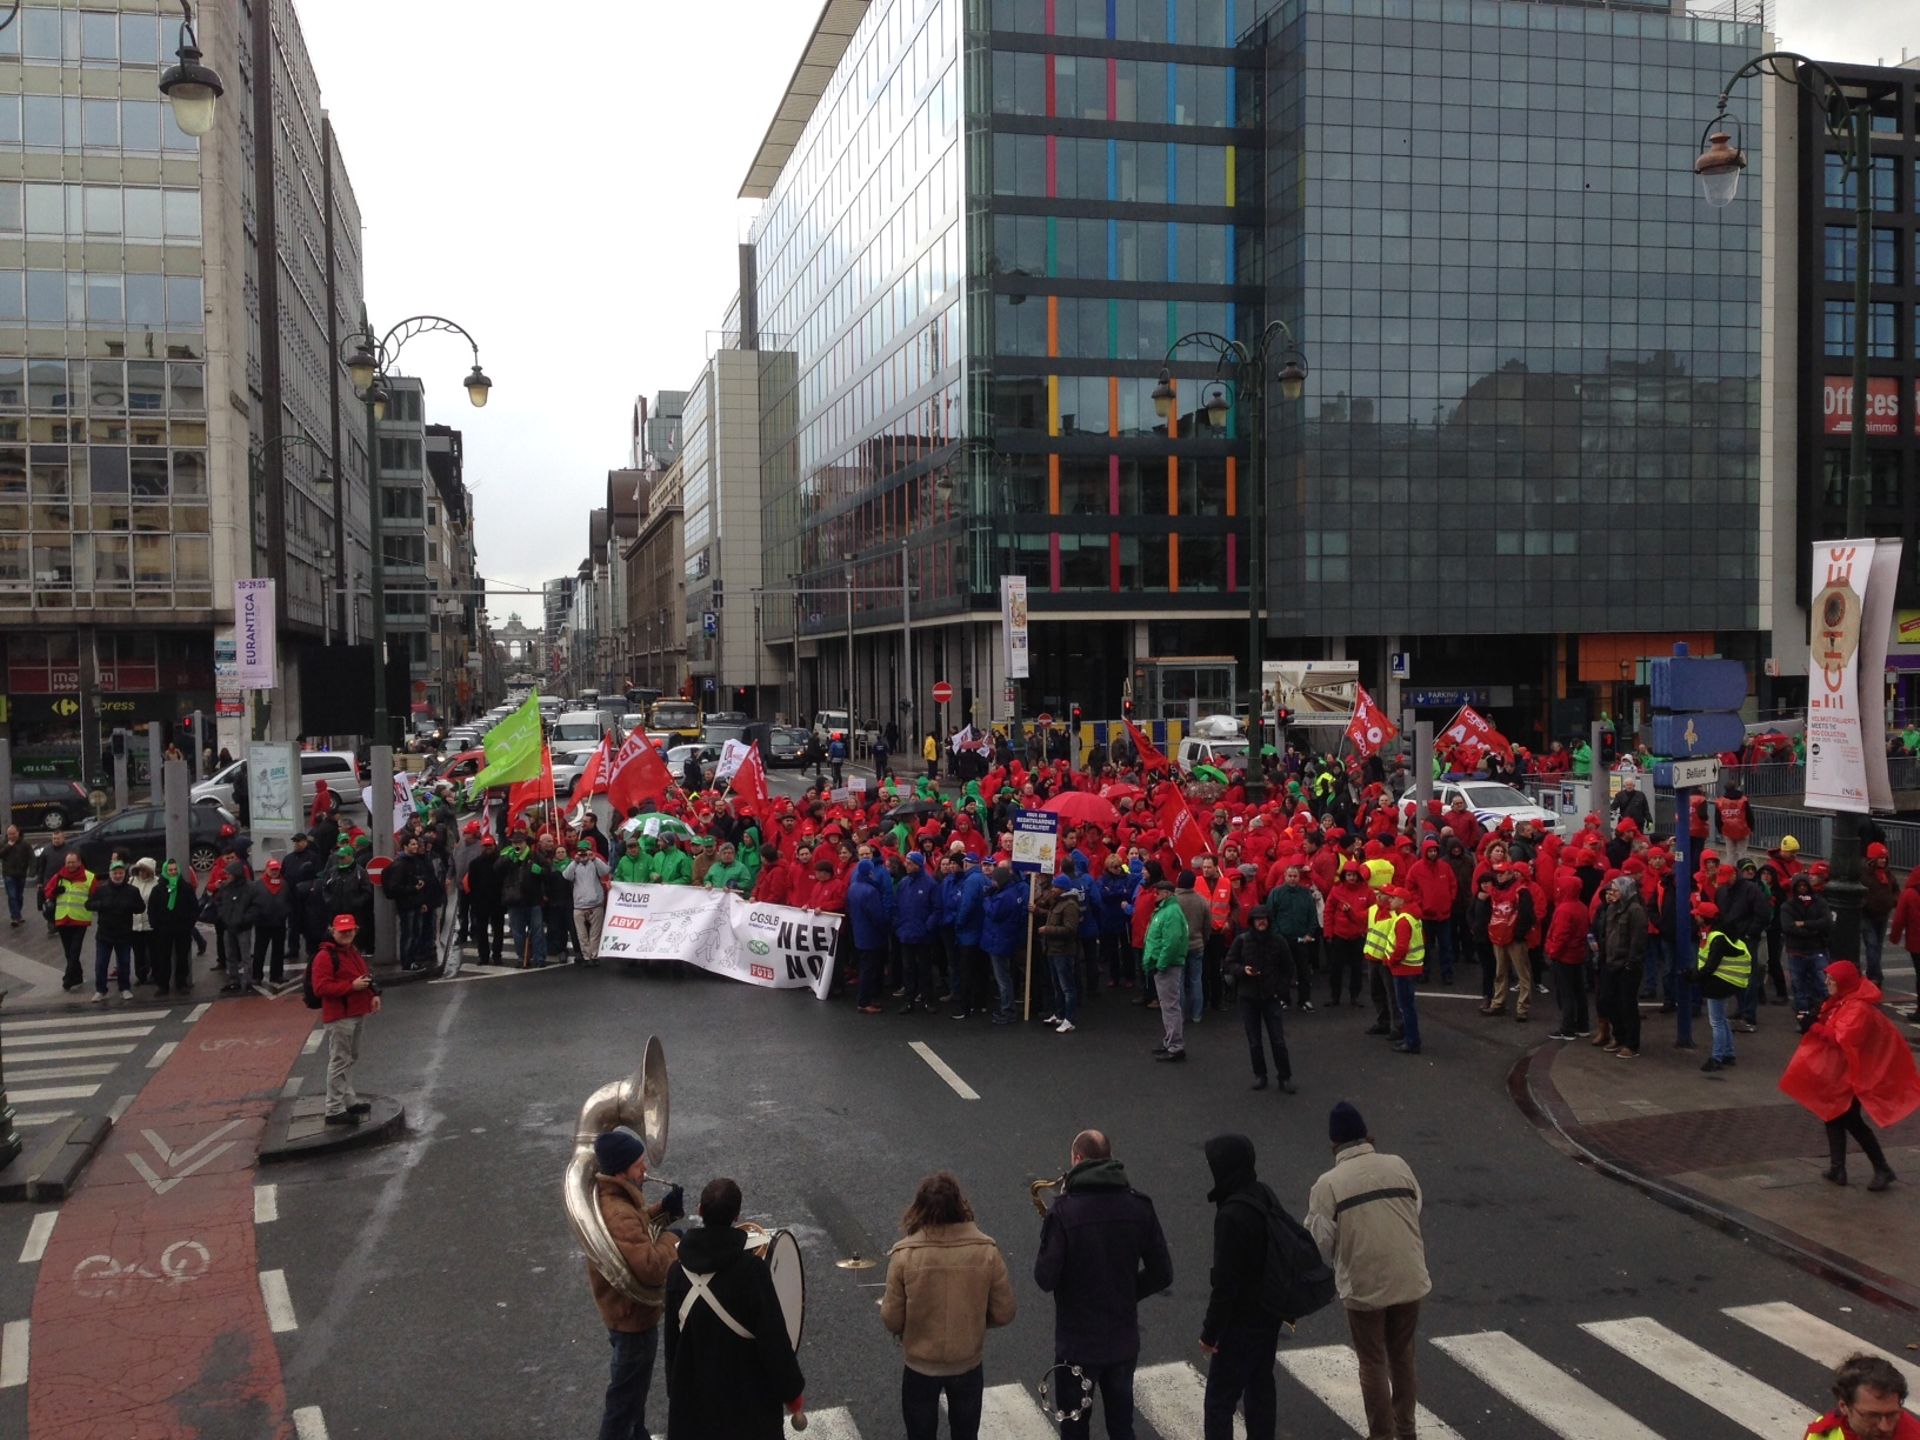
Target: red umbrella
{"x":1084,"y":809}
{"x":1120,"y":790}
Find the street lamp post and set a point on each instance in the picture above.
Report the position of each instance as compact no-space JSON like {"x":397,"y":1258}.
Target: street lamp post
{"x":367,"y":365}
{"x":1246,"y":368}
{"x":259,"y":475}
{"x":1719,"y":163}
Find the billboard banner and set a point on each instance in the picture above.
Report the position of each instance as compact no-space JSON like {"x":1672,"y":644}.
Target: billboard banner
{"x":275,"y":805}
{"x":1851,"y":615}
{"x":1013,"y":619}
{"x":1036,"y":842}
{"x":253,"y":633}
{"x":1319,"y":692}
{"x":1883,"y":405}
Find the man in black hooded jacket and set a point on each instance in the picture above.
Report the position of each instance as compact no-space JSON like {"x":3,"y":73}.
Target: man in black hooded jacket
{"x":1239,"y":1331}
{"x":1101,"y":1252}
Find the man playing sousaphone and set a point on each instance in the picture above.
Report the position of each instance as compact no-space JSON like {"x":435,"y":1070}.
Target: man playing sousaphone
{"x":633,"y":1326}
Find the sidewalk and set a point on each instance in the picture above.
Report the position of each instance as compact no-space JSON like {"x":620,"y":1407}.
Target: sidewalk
{"x":1729,"y":1148}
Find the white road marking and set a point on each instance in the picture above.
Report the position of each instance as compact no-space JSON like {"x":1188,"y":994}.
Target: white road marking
{"x":273,"y":1289}
{"x":1820,"y":1341}
{"x":1740,"y":1397}
{"x":266,"y":1204}
{"x":198,"y":1010}
{"x":13,"y":1354}
{"x":38,"y":1233}
{"x":119,"y":1108}
{"x":57,"y":1072}
{"x":943,"y":1070}
{"x":170,"y":1158}
{"x":292,"y":1086}
{"x":1171,"y":1397}
{"x":1542,"y":1389}
{"x":308,"y":1423}
{"x":51,"y":1092}
{"x":1008,"y":1412}
{"x":41,"y":1117}
{"x":160,"y":1055}
{"x":84,"y":1020}
{"x":78,"y":1052}
{"x":834,"y":1424}
{"x":63,"y":1037}
{"x":1333,"y":1375}
{"x":314,"y":1037}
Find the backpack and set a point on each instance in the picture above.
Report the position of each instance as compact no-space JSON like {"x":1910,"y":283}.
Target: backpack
{"x":312,"y":1000}
{"x":1503,"y":918}
{"x":1294,"y":1280}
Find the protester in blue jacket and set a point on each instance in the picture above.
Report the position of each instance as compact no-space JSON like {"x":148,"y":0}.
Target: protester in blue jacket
{"x":870,"y":909}
{"x":916,"y":903}
{"x":1003,"y":934}
{"x":1114,"y":904}
{"x":961,"y":893}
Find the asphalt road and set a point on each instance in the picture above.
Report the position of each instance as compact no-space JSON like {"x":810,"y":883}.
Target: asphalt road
{"x":438,"y":1291}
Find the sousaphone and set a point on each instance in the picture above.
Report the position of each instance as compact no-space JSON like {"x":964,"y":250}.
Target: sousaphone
{"x":640,"y":1101}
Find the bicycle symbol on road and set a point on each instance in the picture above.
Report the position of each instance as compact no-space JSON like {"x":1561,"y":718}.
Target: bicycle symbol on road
{"x":101,"y":1277}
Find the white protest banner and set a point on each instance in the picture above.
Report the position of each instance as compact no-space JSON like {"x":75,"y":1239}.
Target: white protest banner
{"x":1036,"y":841}
{"x":733,"y":754}
{"x":774,"y":946}
{"x":1836,"y":757}
{"x":253,"y":628}
{"x":274,"y":802}
{"x":1876,"y":630}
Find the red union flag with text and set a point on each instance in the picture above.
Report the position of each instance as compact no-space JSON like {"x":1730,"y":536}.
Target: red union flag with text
{"x":637,"y":773}
{"x":1185,"y":834}
{"x":1150,"y":758}
{"x":1470,"y":728}
{"x":1370,"y":730}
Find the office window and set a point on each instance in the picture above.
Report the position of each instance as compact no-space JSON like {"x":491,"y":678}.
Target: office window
{"x":1840,"y":251}
{"x":1840,"y":192}
{"x":1839,"y":329}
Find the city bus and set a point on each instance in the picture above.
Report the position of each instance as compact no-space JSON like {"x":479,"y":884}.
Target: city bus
{"x":672,"y":720}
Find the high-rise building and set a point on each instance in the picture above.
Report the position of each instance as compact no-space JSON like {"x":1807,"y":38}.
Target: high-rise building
{"x":986,"y":223}
{"x":455,"y":662}
{"x":151,"y":378}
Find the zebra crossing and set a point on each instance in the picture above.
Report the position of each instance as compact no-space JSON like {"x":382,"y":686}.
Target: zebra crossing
{"x":59,"y":1061}
{"x":1670,"y":1375}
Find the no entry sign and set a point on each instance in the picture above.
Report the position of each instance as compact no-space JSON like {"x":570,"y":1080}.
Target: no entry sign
{"x":942,"y":692}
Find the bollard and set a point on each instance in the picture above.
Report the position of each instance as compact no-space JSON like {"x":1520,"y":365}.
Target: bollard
{"x":381,"y":817}
{"x":9,"y":1137}
{"x":6,"y":780}
{"x":176,"y":790}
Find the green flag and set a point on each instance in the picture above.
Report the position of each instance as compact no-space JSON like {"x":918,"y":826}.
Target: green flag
{"x":513,"y":748}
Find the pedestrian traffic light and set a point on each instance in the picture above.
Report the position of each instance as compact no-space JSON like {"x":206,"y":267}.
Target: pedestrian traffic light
{"x":1282,"y":717}
{"x":1075,"y":712}
{"x":1126,"y":708}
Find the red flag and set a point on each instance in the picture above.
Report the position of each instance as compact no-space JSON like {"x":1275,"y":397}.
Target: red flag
{"x":1370,"y":730}
{"x":750,"y":783}
{"x":1186,"y":835}
{"x":637,"y":773}
{"x":1150,"y":758}
{"x":523,"y":793}
{"x":593,"y":779}
{"x":1470,"y":725}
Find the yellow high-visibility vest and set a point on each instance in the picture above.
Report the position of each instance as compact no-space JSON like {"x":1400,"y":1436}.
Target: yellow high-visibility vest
{"x":1380,"y":938}
{"x":1736,"y":969}
{"x":70,"y":900}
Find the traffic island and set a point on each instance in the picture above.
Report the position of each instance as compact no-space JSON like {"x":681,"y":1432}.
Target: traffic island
{"x":297,"y":1129}
{"x":1729,"y":1149}
{"x":50,"y":1167}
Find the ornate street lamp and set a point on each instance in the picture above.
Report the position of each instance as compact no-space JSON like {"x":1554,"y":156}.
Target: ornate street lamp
{"x":191,"y":87}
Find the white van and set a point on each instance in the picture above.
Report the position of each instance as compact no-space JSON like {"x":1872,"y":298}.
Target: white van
{"x":336,"y":767}
{"x":1224,"y":754}
{"x":583,"y":726}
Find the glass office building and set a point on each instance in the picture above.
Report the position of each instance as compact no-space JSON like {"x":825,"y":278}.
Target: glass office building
{"x":1534,"y":404}
{"x":1534,"y":351}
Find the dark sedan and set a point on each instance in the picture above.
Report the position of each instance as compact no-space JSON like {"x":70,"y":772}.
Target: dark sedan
{"x":142,"y":830}
{"x":787,"y":746}
{"x":47,"y":802}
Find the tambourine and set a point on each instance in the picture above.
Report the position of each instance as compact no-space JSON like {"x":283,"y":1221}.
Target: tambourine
{"x":1074,"y":1372}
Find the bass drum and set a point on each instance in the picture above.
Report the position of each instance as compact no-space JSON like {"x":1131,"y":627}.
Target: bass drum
{"x":789,"y":1281}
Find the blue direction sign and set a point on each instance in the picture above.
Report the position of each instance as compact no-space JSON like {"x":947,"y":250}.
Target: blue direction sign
{"x":1697,"y":705}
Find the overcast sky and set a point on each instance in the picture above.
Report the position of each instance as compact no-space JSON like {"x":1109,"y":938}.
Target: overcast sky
{"x":561,"y":180}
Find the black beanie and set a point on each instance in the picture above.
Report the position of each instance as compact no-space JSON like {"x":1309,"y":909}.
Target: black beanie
{"x":1344,"y":1125}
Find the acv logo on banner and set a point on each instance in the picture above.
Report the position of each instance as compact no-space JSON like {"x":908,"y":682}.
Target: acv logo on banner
{"x":253,"y":632}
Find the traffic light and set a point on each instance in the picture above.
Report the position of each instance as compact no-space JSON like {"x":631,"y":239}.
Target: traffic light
{"x":1074,"y":711}
{"x":1609,"y":747}
{"x":1282,"y":718}
{"x":119,"y":744}
{"x":1126,"y":708}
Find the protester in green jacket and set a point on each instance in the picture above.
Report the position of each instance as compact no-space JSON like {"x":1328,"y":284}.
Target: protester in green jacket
{"x":728,"y":873}
{"x":1166,"y":944}
{"x":672,"y":865}
{"x":634,"y":867}
{"x":1583,"y":760}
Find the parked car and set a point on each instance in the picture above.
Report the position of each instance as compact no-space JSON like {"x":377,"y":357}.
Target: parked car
{"x":336,"y":767}
{"x":459,"y":766}
{"x":1490,"y":801}
{"x":48,"y":802}
{"x":677,"y":758}
{"x":787,"y":746}
{"x":142,"y":830}
{"x":568,"y":762}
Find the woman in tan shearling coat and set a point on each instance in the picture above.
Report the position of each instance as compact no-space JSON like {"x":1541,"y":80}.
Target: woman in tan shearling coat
{"x":946,"y":1283}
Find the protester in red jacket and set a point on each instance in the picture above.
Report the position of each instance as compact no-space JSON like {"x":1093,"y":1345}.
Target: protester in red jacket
{"x":1567,"y":953}
{"x":1852,"y":1060}
{"x":347,"y":996}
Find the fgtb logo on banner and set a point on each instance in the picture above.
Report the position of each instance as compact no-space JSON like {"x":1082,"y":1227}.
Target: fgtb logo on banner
{"x":1370,"y":730}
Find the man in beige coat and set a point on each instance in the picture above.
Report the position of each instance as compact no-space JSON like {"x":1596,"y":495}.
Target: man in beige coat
{"x":1364,"y":1214}
{"x":946,"y":1283}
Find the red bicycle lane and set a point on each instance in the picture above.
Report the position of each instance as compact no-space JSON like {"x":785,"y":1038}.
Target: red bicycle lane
{"x":148,"y":1319}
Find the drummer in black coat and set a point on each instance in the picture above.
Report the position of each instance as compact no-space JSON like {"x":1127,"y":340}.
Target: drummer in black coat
{"x":723,"y":1384}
